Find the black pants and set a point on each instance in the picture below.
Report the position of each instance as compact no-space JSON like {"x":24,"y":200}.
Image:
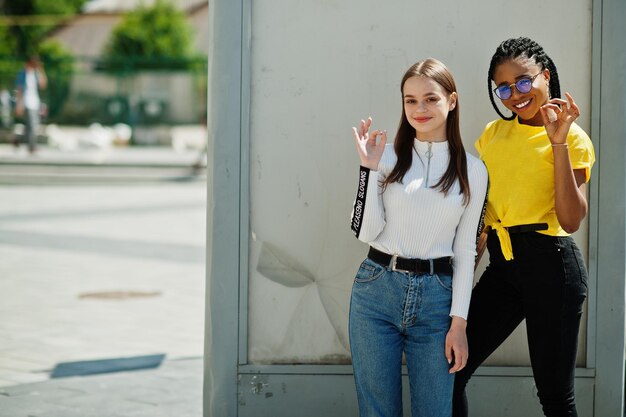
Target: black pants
{"x":546,"y":284}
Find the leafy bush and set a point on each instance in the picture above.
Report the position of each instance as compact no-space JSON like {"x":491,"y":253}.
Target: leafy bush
{"x":150,"y":37}
{"x":8,"y":65}
{"x":23,"y":38}
{"x":59,"y":66}
{"x":44,"y":16}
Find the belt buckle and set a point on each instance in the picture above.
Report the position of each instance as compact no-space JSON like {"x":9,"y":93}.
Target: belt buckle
{"x":393,"y":262}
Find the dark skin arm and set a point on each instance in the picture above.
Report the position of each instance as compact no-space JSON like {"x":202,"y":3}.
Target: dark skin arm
{"x":481,"y":245}
{"x":569,"y":184}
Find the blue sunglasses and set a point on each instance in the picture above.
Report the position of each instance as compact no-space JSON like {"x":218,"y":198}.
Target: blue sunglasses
{"x":523,"y":85}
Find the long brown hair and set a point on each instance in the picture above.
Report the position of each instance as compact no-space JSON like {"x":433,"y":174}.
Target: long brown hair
{"x":403,"y":143}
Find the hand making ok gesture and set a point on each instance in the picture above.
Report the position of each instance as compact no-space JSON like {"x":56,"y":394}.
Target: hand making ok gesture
{"x":369,"y":150}
{"x":558,"y":115}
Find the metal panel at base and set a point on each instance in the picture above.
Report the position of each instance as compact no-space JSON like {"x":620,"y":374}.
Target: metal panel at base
{"x":279,"y":395}
{"x":271,"y":395}
{"x":490,"y":396}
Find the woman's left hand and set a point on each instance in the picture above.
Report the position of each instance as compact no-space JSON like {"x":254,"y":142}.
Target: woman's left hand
{"x":456,"y":344}
{"x":481,"y":245}
{"x":558,"y":115}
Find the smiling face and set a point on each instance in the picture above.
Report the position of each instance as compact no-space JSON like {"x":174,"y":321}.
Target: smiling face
{"x":525,"y":105}
{"x":426,"y":107}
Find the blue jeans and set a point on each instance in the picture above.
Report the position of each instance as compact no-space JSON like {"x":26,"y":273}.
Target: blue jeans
{"x":392,"y":312}
{"x":32,"y":127}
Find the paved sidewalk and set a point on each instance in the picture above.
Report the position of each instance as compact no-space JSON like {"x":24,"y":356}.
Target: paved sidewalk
{"x":111,"y":165}
{"x":173,"y":390}
{"x":93,"y":272}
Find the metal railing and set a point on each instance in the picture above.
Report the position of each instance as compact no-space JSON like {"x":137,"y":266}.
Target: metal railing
{"x":137,"y":91}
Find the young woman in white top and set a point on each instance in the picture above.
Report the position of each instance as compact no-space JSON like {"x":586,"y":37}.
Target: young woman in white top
{"x":419,"y":206}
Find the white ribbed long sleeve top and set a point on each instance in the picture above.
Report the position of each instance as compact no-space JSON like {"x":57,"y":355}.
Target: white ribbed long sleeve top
{"x":413,"y":220}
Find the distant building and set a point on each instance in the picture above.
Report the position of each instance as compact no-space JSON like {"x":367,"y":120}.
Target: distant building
{"x":87,"y":34}
{"x":137,"y":98}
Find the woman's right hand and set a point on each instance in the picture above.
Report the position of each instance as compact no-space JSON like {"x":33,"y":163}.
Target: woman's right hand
{"x":370,"y":152}
{"x":558,"y":115}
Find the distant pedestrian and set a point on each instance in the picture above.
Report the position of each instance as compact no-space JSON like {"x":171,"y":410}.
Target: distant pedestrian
{"x":28,"y":103}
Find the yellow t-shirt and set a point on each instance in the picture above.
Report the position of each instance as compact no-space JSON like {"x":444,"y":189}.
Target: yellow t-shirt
{"x":520,"y":163}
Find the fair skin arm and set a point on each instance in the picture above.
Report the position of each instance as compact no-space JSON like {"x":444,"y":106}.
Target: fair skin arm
{"x":41,"y":75}
{"x":19,"y":108}
{"x":43,"y":80}
{"x":569,"y":184}
{"x":456,"y":344}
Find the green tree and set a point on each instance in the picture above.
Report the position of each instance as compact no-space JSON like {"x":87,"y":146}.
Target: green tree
{"x":8,"y":65}
{"x":59,"y":65}
{"x":150,"y":37}
{"x":36,"y":18}
{"x":27,"y":23}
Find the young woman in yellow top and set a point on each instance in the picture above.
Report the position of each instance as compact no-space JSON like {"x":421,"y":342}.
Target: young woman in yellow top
{"x":538,"y":161}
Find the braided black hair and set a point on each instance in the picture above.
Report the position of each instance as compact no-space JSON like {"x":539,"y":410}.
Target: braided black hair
{"x":513,"y":48}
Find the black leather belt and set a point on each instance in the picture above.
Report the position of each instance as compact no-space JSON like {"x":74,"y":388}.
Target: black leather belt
{"x":395,"y":263}
{"x":523,"y":228}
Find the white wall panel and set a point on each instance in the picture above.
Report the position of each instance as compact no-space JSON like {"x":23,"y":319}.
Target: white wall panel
{"x":317,"y":68}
